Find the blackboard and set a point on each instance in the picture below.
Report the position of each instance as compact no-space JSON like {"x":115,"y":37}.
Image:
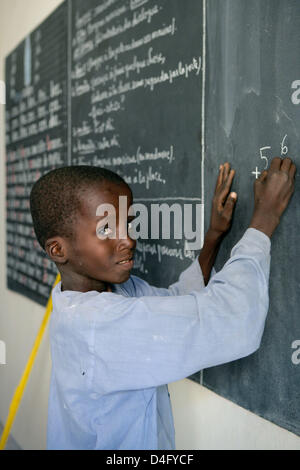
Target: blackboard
{"x":140,"y":92}
{"x":36,"y":142}
{"x":137,"y":78}
{"x":253,"y":114}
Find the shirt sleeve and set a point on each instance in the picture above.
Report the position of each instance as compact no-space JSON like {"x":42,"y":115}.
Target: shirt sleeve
{"x":150,"y":341}
{"x":190,"y":279}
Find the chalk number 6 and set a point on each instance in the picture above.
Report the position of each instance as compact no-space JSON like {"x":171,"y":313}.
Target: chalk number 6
{"x":284,"y":148}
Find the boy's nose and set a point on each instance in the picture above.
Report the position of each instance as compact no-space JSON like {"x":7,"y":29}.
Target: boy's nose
{"x":126,"y":243}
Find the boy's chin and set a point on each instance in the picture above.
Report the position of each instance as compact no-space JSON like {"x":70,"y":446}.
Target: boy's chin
{"x":125,"y":276}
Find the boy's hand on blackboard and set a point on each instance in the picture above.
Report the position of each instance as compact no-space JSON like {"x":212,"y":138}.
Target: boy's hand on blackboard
{"x":272,"y":193}
{"x":220,"y":221}
{"x":223,"y":202}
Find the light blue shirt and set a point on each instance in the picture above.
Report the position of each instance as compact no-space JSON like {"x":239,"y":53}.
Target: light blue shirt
{"x":113,"y":353}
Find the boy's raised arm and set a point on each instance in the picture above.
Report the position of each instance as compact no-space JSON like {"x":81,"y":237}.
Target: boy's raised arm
{"x":220,"y":221}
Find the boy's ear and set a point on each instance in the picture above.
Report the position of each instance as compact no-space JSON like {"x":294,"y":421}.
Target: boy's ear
{"x":56,"y":249}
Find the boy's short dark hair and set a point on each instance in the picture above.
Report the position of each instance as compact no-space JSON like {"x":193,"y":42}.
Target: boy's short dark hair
{"x":56,"y":197}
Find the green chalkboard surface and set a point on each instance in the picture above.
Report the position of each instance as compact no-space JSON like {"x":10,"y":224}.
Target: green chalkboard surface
{"x":253,"y":114}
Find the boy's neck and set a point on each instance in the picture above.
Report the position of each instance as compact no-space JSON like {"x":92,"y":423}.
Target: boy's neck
{"x":78,"y":283}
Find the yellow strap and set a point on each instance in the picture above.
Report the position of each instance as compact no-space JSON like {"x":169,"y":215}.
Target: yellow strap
{"x":14,"y":405}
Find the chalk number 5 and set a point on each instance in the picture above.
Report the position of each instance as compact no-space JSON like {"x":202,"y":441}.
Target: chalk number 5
{"x":263,"y":157}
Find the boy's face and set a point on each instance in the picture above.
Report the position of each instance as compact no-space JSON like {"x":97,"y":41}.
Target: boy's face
{"x":94,"y":259}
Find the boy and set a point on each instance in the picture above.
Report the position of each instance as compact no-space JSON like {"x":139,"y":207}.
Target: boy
{"x":116,"y":341}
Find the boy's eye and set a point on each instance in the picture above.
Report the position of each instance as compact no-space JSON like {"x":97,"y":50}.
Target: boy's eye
{"x":104,"y":231}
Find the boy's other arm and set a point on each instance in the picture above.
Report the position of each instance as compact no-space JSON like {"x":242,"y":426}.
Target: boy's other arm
{"x":221,"y":217}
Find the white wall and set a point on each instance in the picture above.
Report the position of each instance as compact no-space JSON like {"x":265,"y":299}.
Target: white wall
{"x":203,"y":420}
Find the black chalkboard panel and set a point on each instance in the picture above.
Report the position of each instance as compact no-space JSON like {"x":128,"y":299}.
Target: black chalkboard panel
{"x":136,"y":108}
{"x":36,"y":142}
{"x":253,"y":114}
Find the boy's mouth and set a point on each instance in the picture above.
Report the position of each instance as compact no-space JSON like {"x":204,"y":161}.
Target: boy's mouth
{"x":127,"y":263}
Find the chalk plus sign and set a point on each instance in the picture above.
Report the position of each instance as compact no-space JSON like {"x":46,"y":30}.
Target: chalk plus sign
{"x":256,"y":172}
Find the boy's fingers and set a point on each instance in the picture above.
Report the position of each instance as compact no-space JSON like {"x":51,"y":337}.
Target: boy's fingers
{"x":275,"y":163}
{"x":286,"y":164}
{"x":226,"y":171}
{"x":220,"y":177}
{"x":292,"y":170}
{"x":227,"y":186}
{"x":263,"y":176}
{"x":229,"y":205}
